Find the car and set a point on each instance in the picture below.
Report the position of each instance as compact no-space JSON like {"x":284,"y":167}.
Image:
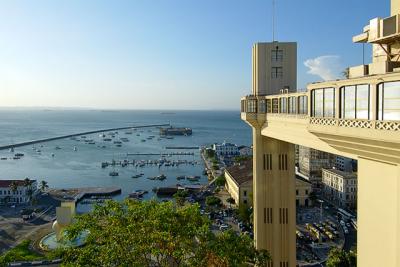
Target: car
{"x":223,"y":227}
{"x":342,"y":223}
{"x":348,"y":225}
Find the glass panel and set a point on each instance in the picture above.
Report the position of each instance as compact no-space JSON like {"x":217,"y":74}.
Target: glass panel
{"x":292,"y":105}
{"x":269,"y":108}
{"x":318,"y":103}
{"x":391,"y":102}
{"x":283,"y":106}
{"x":329,"y":102}
{"x":275,"y":105}
{"x":349,"y":102}
{"x":380,"y":101}
{"x":362,"y":101}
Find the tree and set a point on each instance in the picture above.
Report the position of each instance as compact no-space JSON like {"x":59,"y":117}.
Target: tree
{"x":180,"y":197}
{"x":29,"y":190}
{"x":210,"y":153}
{"x":43,"y":185}
{"x":220,"y":181}
{"x":340,"y":258}
{"x":230,"y":200}
{"x":13,"y":187}
{"x":151,"y":233}
{"x":244,"y":213}
{"x":213,"y":201}
{"x":346,"y":73}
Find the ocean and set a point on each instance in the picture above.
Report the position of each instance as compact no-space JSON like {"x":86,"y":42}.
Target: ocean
{"x":68,"y":168}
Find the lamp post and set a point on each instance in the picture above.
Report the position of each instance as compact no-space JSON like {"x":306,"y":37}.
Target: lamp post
{"x":320,"y":212}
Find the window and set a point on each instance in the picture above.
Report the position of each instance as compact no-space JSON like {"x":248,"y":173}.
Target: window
{"x":245,"y":201}
{"x":277,"y":55}
{"x":389,"y":101}
{"x":269,"y":107}
{"x":275,"y":105}
{"x":354,"y":101}
{"x":276,"y":72}
{"x":283,"y":105}
{"x":297,"y":192}
{"x":323,"y":102}
{"x":244,"y":193}
{"x":306,"y":192}
{"x":292,"y":105}
{"x":302,"y":104}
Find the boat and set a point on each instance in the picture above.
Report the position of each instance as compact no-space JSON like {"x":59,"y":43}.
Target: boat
{"x":193,"y":178}
{"x":161,"y":177}
{"x":12,"y":150}
{"x":52,"y":155}
{"x":113,"y":173}
{"x":117,"y":142}
{"x":143,"y":140}
{"x":102,"y":135}
{"x":138,"y":194}
{"x":104,"y":164}
{"x":75,"y":149}
{"x":182,"y":177}
{"x":19,"y":154}
{"x":16,"y":157}
{"x":118,"y":145}
{"x":3,"y":158}
{"x":107,"y":139}
{"x":91,"y":143}
{"x":136,"y":176}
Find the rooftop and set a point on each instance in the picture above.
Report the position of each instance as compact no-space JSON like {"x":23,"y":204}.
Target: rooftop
{"x":348,"y":175}
{"x":242,"y":172}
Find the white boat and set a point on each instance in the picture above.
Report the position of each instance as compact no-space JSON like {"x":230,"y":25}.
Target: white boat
{"x":12,"y":150}
{"x":75,"y":149}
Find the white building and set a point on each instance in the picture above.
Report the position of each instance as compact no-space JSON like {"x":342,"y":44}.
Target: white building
{"x":340,"y":187}
{"x":19,"y":195}
{"x":225,"y":149}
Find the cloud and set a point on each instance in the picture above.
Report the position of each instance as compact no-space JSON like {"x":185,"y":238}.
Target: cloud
{"x":327,"y":67}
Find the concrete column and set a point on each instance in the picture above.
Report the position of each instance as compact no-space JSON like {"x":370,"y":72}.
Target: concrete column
{"x":378,"y":214}
{"x":274,"y":199}
{"x":395,"y":7}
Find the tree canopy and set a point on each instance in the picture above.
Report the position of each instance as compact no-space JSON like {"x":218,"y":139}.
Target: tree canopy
{"x":151,"y":233}
{"x":341,"y":258}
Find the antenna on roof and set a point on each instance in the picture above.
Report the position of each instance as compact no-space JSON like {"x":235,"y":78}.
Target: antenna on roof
{"x":273,"y":20}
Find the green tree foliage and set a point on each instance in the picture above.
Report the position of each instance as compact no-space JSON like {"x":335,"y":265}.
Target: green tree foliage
{"x":151,"y":233}
{"x":213,"y":201}
{"x":220,"y":181}
{"x":244,"y":213}
{"x":21,"y":252}
{"x":231,"y":201}
{"x":341,"y":258}
{"x":43,"y":185}
{"x":239,"y":159}
{"x":180,"y":197}
{"x":210,"y":153}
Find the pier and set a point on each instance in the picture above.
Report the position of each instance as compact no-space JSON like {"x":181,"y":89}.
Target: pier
{"x":162,"y":154}
{"x":77,"y":194}
{"x":79,"y":134}
{"x":182,"y":147}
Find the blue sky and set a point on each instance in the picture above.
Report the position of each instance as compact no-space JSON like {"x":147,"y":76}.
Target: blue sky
{"x":159,"y":54}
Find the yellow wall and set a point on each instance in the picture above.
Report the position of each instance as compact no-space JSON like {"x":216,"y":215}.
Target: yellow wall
{"x":378,"y":214}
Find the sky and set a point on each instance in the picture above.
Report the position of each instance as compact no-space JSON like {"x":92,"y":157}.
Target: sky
{"x":166,"y":54}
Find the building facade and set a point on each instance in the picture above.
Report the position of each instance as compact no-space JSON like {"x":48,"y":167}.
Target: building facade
{"x":239,"y":182}
{"x":303,"y":191}
{"x":226,"y":149}
{"x":245,"y":151}
{"x":312,"y":161}
{"x":345,"y":164}
{"x":18,"y":195}
{"x":340,"y":187}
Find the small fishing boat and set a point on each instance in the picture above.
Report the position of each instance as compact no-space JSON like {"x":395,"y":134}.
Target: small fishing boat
{"x":113,"y":173}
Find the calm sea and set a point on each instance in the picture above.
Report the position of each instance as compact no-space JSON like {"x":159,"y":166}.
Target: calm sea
{"x":69,"y":168}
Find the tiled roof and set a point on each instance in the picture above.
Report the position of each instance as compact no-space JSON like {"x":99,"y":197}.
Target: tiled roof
{"x":241,"y":173}
{"x":6,"y":183}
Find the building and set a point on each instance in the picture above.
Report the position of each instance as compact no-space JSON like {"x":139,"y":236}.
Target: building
{"x":340,"y":187}
{"x":312,"y":161}
{"x":303,"y":191}
{"x":239,"y":182}
{"x":274,"y":68}
{"x":345,"y":164}
{"x":245,"y":151}
{"x":358,"y":118}
{"x":225,"y":149}
{"x":20,"y":195}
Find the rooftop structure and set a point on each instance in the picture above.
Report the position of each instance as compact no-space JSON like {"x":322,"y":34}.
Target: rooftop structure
{"x":357,"y":118}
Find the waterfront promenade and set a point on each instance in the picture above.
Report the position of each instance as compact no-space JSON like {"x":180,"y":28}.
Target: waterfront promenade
{"x":79,"y":134}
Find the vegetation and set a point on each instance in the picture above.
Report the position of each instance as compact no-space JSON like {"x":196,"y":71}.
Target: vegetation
{"x":43,"y":186}
{"x":151,"y":233}
{"x":19,"y":253}
{"x":210,"y":153}
{"x":341,"y":258}
{"x":180,"y":197}
{"x":29,"y":190}
{"x":230,"y":200}
{"x":239,"y":159}
{"x":213,"y":201}
{"x":220,"y":181}
{"x":244,"y":213}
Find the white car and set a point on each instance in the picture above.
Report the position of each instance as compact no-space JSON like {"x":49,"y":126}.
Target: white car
{"x":223,"y":227}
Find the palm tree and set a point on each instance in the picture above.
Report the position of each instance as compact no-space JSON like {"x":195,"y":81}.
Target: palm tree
{"x":13,"y":187}
{"x":43,"y":185}
{"x":28,"y":186}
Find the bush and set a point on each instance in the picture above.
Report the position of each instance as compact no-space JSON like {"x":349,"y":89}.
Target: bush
{"x":21,"y":252}
{"x":220,"y":181}
{"x":213,"y":201}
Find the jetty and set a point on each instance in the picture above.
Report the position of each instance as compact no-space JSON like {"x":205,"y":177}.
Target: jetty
{"x":77,"y":194}
{"x":79,"y":134}
{"x":162,"y":154}
{"x":182,"y":147}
